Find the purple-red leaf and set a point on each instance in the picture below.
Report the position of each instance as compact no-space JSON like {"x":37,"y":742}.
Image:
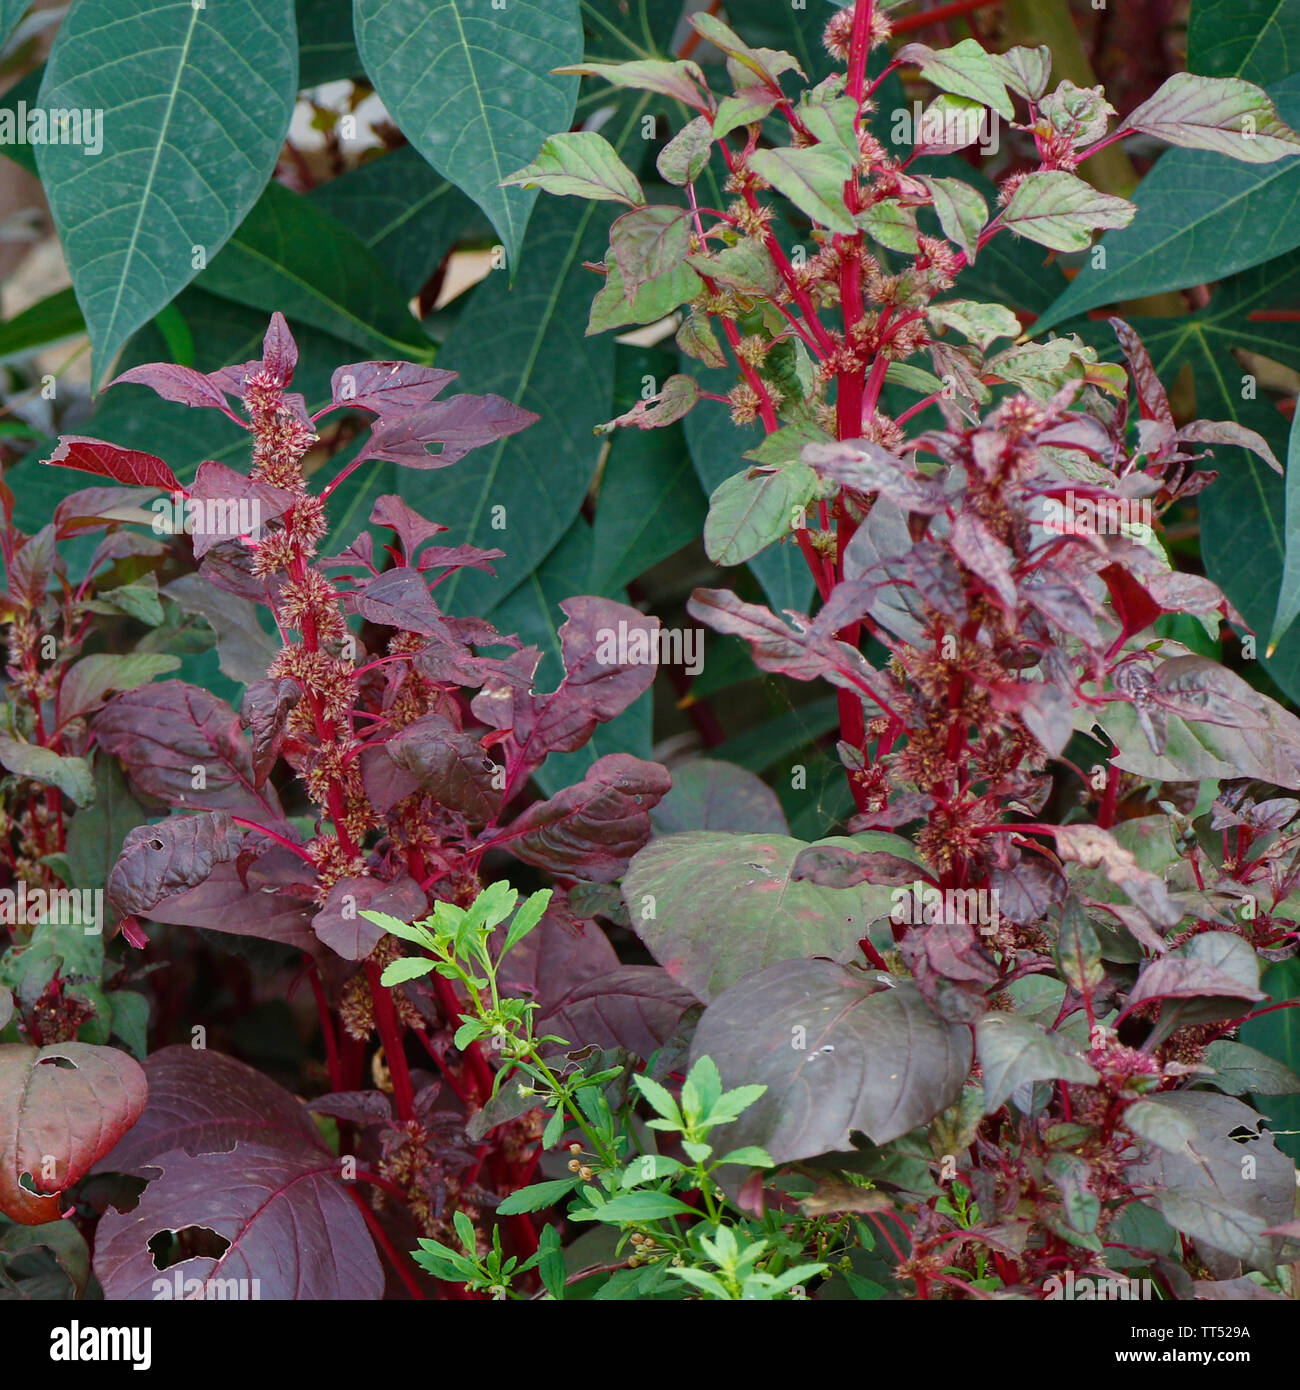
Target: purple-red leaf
{"x":111,"y":461}
{"x":591,"y":830}
{"x":412,"y":529}
{"x":451,"y":766}
{"x":279,"y":351}
{"x":181,"y":384}
{"x":638,"y":1007}
{"x":399,"y":598}
{"x":181,"y":744}
{"x":68,"y":1102}
{"x":342,"y":928}
{"x":388,"y":386}
{"x":457,"y":425}
{"x":158,"y":861}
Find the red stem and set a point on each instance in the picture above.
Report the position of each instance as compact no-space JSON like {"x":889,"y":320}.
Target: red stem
{"x":386,"y":1245}
{"x":937,"y":16}
{"x":390,"y":1033}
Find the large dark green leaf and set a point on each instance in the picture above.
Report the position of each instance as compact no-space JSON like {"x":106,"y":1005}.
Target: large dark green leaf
{"x":622,"y":29}
{"x":1258,"y":40}
{"x":1277,"y":1035}
{"x":1242,"y":514}
{"x":838,"y":1054}
{"x":195,"y":104}
{"x":326,"y":50}
{"x":532,"y":611}
{"x":289,"y":254}
{"x":1200,"y":217}
{"x":11,"y":11}
{"x":650,"y":503}
{"x":712,"y":907}
{"x":782,"y":26}
{"x":52,"y":320}
{"x":717,"y":449}
{"x":526,"y":344}
{"x":471,"y":87}
{"x":403,"y":211}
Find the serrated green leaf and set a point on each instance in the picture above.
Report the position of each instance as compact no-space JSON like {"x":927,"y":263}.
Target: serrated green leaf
{"x":812,"y":179}
{"x":1060,"y":211}
{"x":583,"y":164}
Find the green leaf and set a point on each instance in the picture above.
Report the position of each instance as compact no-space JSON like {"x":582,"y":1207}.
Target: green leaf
{"x":527,"y":917}
{"x":962,"y":213}
{"x":403,"y":211}
{"x":750,"y":1156}
{"x":1241,"y":1070}
{"x":72,"y":776}
{"x":632,"y":1208}
{"x":653,"y":300}
{"x":96,"y":833}
{"x":1158,"y":1124}
{"x":890,"y":224}
{"x":522,"y":344}
{"x":1060,"y":211}
{"x":716,"y":447}
{"x":680,"y":80}
{"x":421,"y":936}
{"x":51,"y":321}
{"x":1026,"y":71}
{"x":682,"y":159}
{"x":1288,"y":594}
{"x":1277,"y":1035}
{"x":965,"y":69}
{"x":537,"y":1197}
{"x":1223,"y":114}
{"x":650,"y":503}
{"x":326,"y":50}
{"x":399,"y":971}
{"x":1012,"y":1051}
{"x":1255,"y":39}
{"x":649,"y":243}
{"x":649,"y":1168}
{"x":747,"y":107}
{"x":1201,"y":217}
{"x":812,"y":179}
{"x":11,"y":11}
{"x":581,"y":163}
{"x":290,"y":253}
{"x":982,"y":324}
{"x":659,"y":1099}
{"x":724,"y":905}
{"x":473,"y":89}
{"x":755,"y":508}
{"x":131,"y":1020}
{"x":195,"y":104}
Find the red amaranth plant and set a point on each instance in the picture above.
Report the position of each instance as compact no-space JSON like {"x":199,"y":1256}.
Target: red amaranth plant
{"x":410,"y":751}
{"x":1009,"y":1004}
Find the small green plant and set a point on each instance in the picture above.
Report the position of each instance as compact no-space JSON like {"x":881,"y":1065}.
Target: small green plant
{"x":673,"y":1214}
